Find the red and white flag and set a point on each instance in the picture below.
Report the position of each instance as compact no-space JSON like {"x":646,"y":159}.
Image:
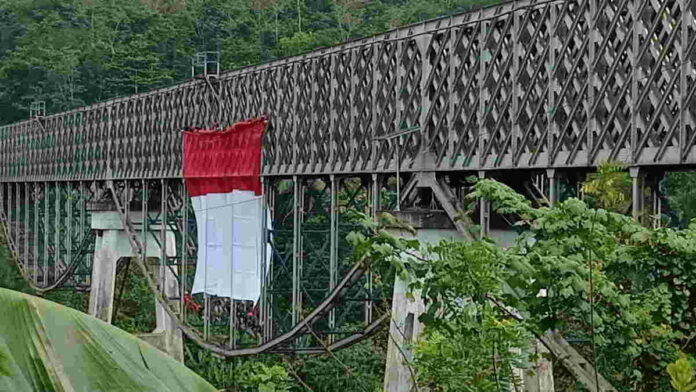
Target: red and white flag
{"x":222,"y":170}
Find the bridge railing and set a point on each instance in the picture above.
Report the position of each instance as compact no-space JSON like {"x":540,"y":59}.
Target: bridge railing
{"x":527,"y":84}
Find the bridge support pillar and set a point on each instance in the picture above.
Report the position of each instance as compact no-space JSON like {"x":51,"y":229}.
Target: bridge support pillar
{"x":638,"y":182}
{"x":553,"y":186}
{"x":111,"y":245}
{"x":484,"y":212}
{"x":101,"y":295}
{"x":646,"y":204}
{"x":404,"y":327}
{"x":540,"y":378}
{"x":166,"y":336}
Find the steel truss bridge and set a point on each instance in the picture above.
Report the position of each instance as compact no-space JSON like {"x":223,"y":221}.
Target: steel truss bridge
{"x":532,"y":88}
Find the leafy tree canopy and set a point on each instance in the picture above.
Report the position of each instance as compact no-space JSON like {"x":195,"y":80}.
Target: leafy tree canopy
{"x":592,"y":274}
{"x":77,"y":52}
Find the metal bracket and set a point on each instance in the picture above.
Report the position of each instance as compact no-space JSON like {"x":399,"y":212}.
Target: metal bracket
{"x":445,"y":196}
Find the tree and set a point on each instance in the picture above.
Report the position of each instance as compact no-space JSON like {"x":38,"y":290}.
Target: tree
{"x":609,"y":187}
{"x":623,"y":288}
{"x":681,"y":195}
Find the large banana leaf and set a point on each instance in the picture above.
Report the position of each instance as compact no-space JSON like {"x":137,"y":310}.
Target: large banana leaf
{"x":48,"y":347}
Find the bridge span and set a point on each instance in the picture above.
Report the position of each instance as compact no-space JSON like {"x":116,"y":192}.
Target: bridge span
{"x":539,"y":89}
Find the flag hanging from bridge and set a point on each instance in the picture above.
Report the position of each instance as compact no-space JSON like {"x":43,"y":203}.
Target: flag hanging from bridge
{"x":222,"y":171}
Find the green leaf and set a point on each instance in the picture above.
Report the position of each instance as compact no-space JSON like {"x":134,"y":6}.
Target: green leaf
{"x":5,"y":370}
{"x":355,"y":238}
{"x":59,"y":348}
{"x":682,"y":375}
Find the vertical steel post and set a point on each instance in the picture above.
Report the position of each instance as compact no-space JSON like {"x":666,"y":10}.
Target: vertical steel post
{"x":126,"y":197}
{"x":295,"y":249}
{"x":206,"y":298}
{"x":8,"y":198}
{"x":656,"y":203}
{"x":10,"y":209}
{"x":263,"y":301}
{"x":300,"y":245}
{"x":145,"y":220}
{"x":162,"y":273}
{"x":484,"y":212}
{"x":637,"y":193}
{"x":27,"y":228}
{"x":333,"y":245}
{"x":233,"y":314}
{"x":36,"y":206}
{"x":269,"y":317}
{"x":2,"y":196}
{"x":83,"y":207}
{"x":13,"y":217}
{"x":553,"y":186}
{"x":18,"y":228}
{"x":46,"y":226}
{"x":164,"y":217}
{"x":374,"y":210}
{"x":398,"y":173}
{"x":7,"y":210}
{"x":56,"y":232}
{"x":69,"y":212}
{"x":15,"y":220}
{"x":184,"y":249}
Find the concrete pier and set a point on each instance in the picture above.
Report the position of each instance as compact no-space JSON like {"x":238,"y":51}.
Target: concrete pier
{"x":404,"y":327}
{"x":111,"y":245}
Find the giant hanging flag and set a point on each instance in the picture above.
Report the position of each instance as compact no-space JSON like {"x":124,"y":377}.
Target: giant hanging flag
{"x":222,"y":171}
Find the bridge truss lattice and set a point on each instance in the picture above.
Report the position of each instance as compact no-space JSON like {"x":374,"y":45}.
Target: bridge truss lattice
{"x":524,"y":86}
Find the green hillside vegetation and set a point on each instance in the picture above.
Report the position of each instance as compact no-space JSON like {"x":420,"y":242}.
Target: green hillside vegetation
{"x":76,"y":52}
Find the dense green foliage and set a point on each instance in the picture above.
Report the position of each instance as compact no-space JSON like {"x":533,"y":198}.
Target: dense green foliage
{"x":609,"y":188}
{"x":10,"y":278}
{"x":76,"y":52}
{"x":680,"y":188}
{"x":360,"y":368}
{"x":589,"y":273}
{"x":264,"y":373}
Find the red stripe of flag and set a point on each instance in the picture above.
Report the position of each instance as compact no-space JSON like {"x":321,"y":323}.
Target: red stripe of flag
{"x":222,"y":161}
